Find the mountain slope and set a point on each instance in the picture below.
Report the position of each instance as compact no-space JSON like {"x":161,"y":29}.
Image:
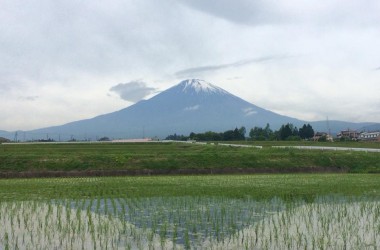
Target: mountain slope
{"x":337,"y":126}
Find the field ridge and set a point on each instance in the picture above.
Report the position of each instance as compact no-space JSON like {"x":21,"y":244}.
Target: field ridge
{"x":117,"y":159}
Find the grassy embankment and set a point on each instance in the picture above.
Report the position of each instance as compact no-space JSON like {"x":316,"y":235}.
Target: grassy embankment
{"x":177,"y":158}
{"x":261,"y":186}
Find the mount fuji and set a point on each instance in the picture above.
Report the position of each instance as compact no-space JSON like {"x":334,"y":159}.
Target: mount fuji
{"x":191,"y":106}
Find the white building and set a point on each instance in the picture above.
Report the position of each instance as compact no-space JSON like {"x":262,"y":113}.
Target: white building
{"x":370,"y":136}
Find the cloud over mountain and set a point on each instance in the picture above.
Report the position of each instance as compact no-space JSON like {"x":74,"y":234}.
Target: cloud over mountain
{"x":133,"y":91}
{"x":202,"y":69}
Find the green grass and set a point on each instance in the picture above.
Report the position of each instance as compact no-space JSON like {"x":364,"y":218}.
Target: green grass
{"x":262,"y":186}
{"x":172,"y":156}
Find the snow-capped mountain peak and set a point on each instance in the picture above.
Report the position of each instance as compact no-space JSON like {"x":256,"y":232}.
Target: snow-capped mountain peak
{"x":193,"y":105}
{"x":198,"y":86}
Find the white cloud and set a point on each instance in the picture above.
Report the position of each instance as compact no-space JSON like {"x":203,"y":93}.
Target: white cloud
{"x":240,"y":63}
{"x":29,"y":98}
{"x":133,"y":91}
{"x":249,"y":111}
{"x":274,"y":12}
{"x":192,"y":108}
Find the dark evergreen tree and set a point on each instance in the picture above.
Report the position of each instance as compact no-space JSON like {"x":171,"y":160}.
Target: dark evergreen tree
{"x":286,"y":131}
{"x":256,"y":134}
{"x":261,"y":134}
{"x":310,"y":131}
{"x":229,"y":135}
{"x":268,"y":133}
{"x":306,"y":132}
{"x":242,"y":132}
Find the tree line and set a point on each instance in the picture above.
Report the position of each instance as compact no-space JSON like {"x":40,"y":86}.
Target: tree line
{"x":285,"y":132}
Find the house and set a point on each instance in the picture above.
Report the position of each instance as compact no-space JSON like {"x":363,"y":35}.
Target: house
{"x":350,"y":134}
{"x":2,"y":139}
{"x":370,"y":136}
{"x":319,"y":135}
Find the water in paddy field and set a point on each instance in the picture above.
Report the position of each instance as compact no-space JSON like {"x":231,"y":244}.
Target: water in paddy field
{"x":332,"y":222}
{"x":182,"y":218}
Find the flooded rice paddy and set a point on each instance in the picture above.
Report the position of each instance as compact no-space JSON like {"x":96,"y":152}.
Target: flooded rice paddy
{"x":327,"y":222}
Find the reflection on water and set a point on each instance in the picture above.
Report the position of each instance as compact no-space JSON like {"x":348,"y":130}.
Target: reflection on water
{"x":178,"y":218}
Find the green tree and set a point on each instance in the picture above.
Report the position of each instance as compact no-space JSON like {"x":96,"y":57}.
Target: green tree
{"x":310,"y":131}
{"x":286,"y":131}
{"x":261,"y":134}
{"x":176,"y":137}
{"x":228,"y":135}
{"x":268,"y":133}
{"x":257,"y":134}
{"x":212,"y":136}
{"x":242,"y":132}
{"x":306,"y":132}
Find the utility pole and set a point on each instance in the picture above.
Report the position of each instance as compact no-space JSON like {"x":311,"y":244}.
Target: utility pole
{"x":328,"y":125}
{"x":16,"y":134}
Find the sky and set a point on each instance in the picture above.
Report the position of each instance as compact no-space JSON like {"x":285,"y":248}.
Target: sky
{"x":68,"y":60}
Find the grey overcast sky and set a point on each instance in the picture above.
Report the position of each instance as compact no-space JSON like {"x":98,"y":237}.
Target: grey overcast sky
{"x":66,"y":60}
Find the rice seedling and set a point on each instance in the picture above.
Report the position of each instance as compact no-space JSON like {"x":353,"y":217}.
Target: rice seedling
{"x":192,"y":212}
{"x":333,"y":222}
